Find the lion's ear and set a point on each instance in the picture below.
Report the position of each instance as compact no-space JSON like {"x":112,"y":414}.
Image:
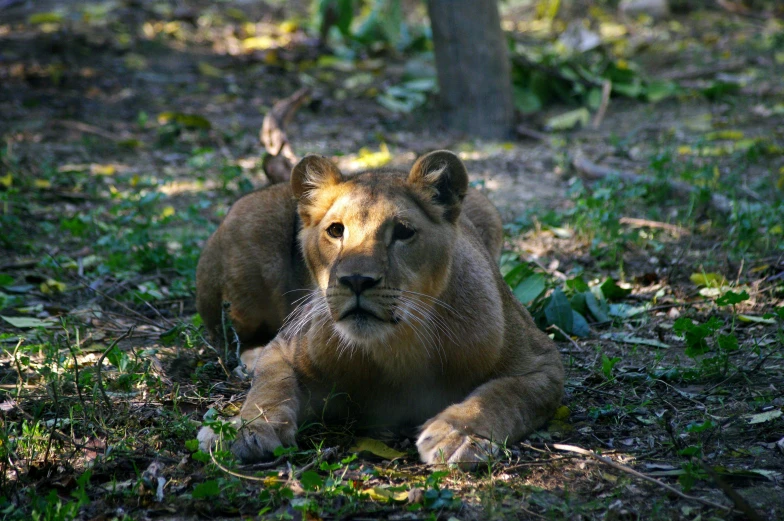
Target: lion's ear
{"x":313,"y":172}
{"x":444,"y":177}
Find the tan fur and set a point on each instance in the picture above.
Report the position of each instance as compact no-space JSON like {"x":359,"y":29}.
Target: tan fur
{"x":253,"y":263}
{"x":440,"y":340}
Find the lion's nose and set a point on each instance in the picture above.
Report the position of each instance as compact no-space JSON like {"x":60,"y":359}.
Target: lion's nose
{"x":358,"y":283}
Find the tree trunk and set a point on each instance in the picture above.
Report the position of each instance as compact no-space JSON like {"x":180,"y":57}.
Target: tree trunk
{"x":473,"y":66}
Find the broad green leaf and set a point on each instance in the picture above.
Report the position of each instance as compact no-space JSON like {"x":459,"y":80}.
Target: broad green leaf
{"x":379,"y":448}
{"x":559,"y":312}
{"x":731,"y":298}
{"x":765,"y":416}
{"x":207,"y":489}
{"x":569,"y":120}
{"x":596,"y":308}
{"x":526,"y":101}
{"x":530,"y":288}
{"x":26,"y":322}
{"x":578,"y":303}
{"x":310,"y":480}
{"x":612,"y":291}
{"x":578,"y":285}
{"x":516,"y":275}
{"x":580,"y":326}
{"x":658,"y":90}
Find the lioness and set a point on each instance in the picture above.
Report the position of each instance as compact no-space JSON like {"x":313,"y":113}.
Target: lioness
{"x":408,"y":320}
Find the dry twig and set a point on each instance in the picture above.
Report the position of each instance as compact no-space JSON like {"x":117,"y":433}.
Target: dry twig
{"x":623,"y":468}
{"x":280,"y":158}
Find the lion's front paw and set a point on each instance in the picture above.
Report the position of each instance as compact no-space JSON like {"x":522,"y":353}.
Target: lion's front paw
{"x":258,"y":439}
{"x":441,"y":443}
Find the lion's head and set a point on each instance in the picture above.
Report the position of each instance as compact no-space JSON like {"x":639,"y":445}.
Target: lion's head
{"x":378,"y":244}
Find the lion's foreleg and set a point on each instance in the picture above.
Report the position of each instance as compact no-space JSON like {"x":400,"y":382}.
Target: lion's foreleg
{"x":268,"y":418}
{"x":502,"y":410}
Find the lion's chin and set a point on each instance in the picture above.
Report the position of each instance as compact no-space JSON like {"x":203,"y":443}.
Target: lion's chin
{"x":363,"y":329}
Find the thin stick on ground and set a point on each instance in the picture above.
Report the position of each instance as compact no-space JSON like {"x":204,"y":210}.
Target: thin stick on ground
{"x":623,"y":468}
{"x":592,"y":171}
{"x":100,"y":364}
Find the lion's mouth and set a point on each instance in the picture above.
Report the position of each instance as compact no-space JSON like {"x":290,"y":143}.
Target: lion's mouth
{"x":359,"y":313}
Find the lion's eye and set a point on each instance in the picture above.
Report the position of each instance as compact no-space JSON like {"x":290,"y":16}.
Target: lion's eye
{"x":402,"y":232}
{"x":335,"y":230}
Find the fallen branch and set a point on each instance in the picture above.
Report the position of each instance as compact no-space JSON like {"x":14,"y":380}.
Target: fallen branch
{"x":645,"y":223}
{"x":699,"y":72}
{"x":280,"y":158}
{"x":606,"y":91}
{"x":631,"y":471}
{"x":739,"y":501}
{"x":592,"y":171}
{"x":87,"y":129}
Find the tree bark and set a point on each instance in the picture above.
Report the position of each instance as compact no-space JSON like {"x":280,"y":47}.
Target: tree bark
{"x":473,"y":67}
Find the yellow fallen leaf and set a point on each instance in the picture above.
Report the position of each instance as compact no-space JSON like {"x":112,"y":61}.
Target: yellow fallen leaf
{"x":710,"y":280}
{"x":96,"y":169}
{"x":45,"y":18}
{"x":734,"y":135}
{"x":369,"y":159}
{"x":52,"y":286}
{"x":167,"y":212}
{"x":385,"y":495}
{"x":257,"y":43}
{"x":288,"y":26}
{"x":562,"y":413}
{"x":7,"y":180}
{"x":379,"y":448}
{"x":42,"y":183}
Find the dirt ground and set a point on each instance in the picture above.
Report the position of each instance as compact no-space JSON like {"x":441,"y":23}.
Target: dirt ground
{"x":130,"y":127}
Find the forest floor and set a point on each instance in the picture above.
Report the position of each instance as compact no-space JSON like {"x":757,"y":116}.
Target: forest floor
{"x":129,"y":128}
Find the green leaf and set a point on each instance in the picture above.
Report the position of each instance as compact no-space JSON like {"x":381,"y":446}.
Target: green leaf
{"x":580,"y":326}
{"x":517,"y":274}
{"x":612,"y":291}
{"x":577,"y":285}
{"x":658,"y":90}
{"x":6,"y":280}
{"x":192,"y":445}
{"x":731,"y":298}
{"x":559,"y":312}
{"x":526,"y":101}
{"x":379,"y":448}
{"x":727,"y":342}
{"x":530,"y":288}
{"x":207,"y":489}
{"x":201,"y":456}
{"x":608,"y":364}
{"x":569,"y":120}
{"x":578,"y":303}
{"x":26,"y":322}
{"x":596,"y":308}
{"x":311,"y":480}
